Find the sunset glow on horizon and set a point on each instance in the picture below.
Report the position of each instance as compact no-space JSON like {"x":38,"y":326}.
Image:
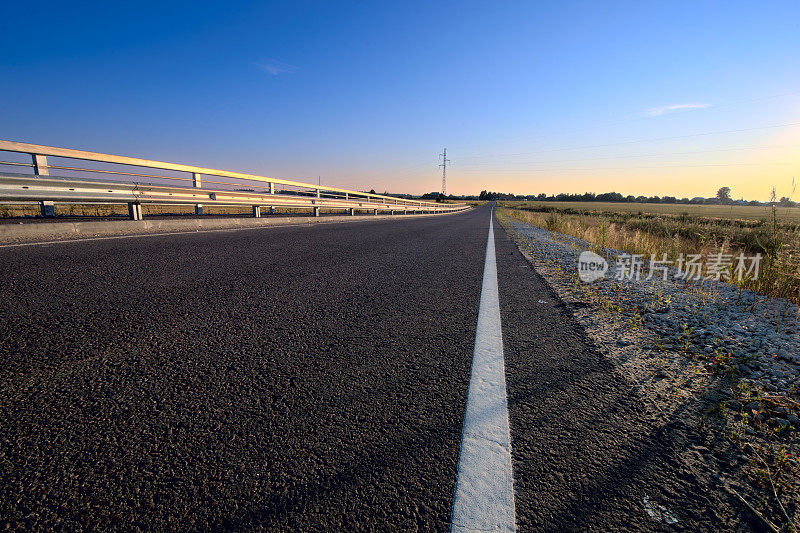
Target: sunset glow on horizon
{"x":673,"y":99}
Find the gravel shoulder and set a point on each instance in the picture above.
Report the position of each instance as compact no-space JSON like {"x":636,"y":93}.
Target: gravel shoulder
{"x":686,"y":354}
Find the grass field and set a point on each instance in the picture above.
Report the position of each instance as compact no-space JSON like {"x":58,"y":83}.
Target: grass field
{"x":672,"y":230}
{"x":735,"y":212}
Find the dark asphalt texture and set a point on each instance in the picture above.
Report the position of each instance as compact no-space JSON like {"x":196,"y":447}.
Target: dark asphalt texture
{"x":288,"y":378}
{"x":303,"y":378}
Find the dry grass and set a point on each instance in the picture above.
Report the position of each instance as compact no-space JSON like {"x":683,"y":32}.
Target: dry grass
{"x":753,"y":446}
{"x":778,"y":242}
{"x":730,"y":212}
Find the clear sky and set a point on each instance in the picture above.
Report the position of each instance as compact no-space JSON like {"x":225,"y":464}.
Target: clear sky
{"x":667,"y":98}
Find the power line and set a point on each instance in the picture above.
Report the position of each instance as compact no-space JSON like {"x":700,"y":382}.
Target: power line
{"x":402,"y":177}
{"x":444,"y":171}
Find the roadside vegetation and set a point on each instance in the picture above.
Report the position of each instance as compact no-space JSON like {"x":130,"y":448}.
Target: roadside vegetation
{"x":775,"y":236}
{"x":716,"y":211}
{"x":749,"y":437}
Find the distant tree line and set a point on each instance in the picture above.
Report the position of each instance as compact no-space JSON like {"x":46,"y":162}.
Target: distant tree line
{"x":723,"y":197}
{"x":435,"y":196}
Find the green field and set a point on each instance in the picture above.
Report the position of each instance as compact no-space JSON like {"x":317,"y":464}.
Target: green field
{"x":738,"y":212}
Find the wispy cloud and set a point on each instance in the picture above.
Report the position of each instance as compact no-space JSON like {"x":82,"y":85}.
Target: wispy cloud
{"x":275,"y":67}
{"x":663,"y":110}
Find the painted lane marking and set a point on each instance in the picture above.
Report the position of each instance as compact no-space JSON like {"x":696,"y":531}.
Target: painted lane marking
{"x":484,"y":495}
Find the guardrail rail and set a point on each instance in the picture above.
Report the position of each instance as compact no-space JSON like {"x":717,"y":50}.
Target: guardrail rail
{"x":91,"y":183}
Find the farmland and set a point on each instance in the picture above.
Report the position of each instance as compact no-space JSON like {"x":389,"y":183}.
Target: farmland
{"x":670,"y":229}
{"x":734,"y":212}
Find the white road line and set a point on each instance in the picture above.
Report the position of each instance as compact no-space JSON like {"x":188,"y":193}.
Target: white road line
{"x":484,"y":496}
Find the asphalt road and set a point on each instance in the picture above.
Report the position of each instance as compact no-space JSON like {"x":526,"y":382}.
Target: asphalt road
{"x":307,"y":378}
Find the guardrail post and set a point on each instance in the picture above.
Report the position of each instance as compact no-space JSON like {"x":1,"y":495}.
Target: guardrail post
{"x":197,"y":181}
{"x":271,"y":188}
{"x":346,"y":196}
{"x":374,"y":211}
{"x":316,"y":211}
{"x":257,"y":211}
{"x":351,"y":211}
{"x":318,"y":193}
{"x":135,"y":211}
{"x":48,"y":209}
{"x":40,"y":165}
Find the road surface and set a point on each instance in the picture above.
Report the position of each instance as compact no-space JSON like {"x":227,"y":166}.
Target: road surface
{"x":305,"y":378}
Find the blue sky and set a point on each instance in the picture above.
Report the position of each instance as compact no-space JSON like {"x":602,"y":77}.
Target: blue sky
{"x":674,"y":98}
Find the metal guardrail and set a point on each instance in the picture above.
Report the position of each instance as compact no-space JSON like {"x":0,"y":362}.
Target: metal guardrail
{"x":134,"y":188}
